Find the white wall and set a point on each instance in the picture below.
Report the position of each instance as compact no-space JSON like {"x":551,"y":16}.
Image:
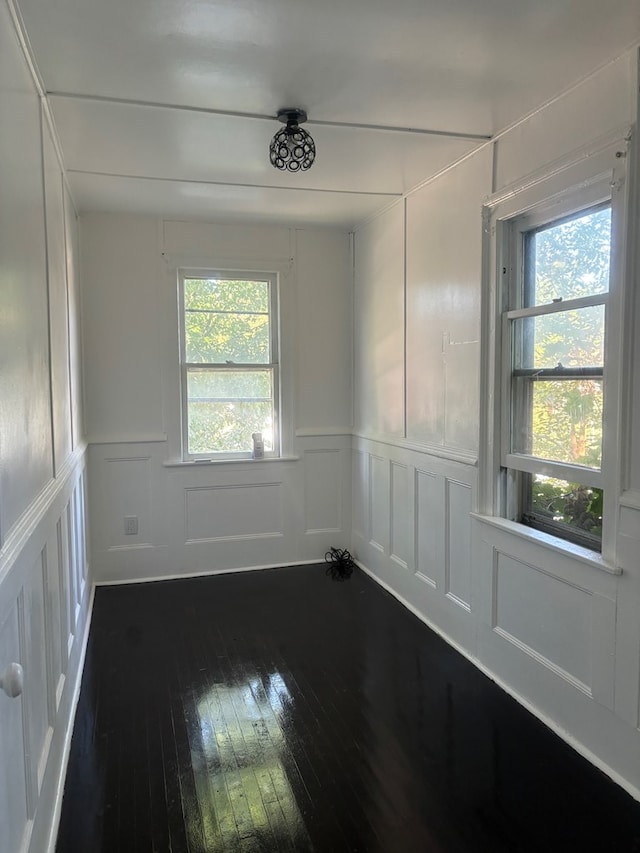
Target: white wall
{"x":561,"y":634}
{"x":44,"y":588}
{"x":211,"y":517}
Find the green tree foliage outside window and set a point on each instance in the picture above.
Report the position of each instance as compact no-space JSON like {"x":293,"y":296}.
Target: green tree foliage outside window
{"x":567,"y":260}
{"x":229,"y":371}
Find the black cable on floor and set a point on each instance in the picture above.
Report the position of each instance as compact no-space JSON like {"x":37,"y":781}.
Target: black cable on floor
{"x":341,"y":564}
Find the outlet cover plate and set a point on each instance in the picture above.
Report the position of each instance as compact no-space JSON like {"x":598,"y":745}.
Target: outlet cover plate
{"x":131,"y":525}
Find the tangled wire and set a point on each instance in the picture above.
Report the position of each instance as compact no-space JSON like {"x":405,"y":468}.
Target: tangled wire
{"x":341,"y":564}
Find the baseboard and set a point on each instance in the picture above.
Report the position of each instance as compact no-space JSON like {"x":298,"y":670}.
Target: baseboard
{"x":208,"y":573}
{"x":575,"y":744}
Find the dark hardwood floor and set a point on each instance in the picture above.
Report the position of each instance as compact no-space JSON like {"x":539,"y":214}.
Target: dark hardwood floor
{"x":281,"y":711}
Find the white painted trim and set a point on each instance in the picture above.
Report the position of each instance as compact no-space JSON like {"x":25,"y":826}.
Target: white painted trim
{"x":21,"y":532}
{"x":142,"y":438}
{"x":497,"y":136}
{"x":323,"y":432}
{"x":205,"y":463}
{"x":272,"y":364}
{"x":405,"y":295}
{"x":583,"y":177}
{"x":462,"y":456}
{"x":314,"y":531}
{"x":591,"y":477}
{"x":27,"y":51}
{"x":553,"y":543}
{"x":533,"y":709}
{"x":210,"y":573}
{"x":139,"y":546}
{"x":244,"y":537}
{"x":281,"y":264}
{"x":382,"y":128}
{"x":25,"y":45}
{"x":630,"y":499}
{"x":241,"y":184}
{"x":66,"y":750}
{"x":619,"y":137}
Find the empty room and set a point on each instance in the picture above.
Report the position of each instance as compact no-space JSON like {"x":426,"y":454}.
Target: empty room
{"x":319,"y":426}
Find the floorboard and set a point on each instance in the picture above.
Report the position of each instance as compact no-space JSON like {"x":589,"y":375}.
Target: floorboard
{"x":280,"y":711}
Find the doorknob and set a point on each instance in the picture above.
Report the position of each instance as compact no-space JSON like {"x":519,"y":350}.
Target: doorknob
{"x":12,"y":680}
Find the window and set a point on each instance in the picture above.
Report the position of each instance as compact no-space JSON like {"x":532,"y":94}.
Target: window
{"x":554,"y":328}
{"x":229,"y":362}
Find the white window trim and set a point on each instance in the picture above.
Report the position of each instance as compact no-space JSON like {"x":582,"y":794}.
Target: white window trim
{"x":596,"y":176}
{"x":170,"y":266}
{"x":273,"y":365}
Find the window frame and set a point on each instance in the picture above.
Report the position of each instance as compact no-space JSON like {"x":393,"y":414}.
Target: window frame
{"x":594,"y":175}
{"x":519,"y":467}
{"x":272,"y":279}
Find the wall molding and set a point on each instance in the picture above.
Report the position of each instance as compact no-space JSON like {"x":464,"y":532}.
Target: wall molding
{"x":24,"y":528}
{"x":243,"y":537}
{"x":199,"y":516}
{"x":619,"y":137}
{"x":209,"y":573}
{"x":573,"y":742}
{"x":322,"y":432}
{"x":630,"y":499}
{"x":449,"y":454}
{"x":44,"y":587}
{"x":553,"y":543}
{"x":544,"y":661}
{"x":139,"y":438}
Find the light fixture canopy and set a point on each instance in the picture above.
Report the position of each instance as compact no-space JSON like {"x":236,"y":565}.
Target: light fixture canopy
{"x":292,"y":149}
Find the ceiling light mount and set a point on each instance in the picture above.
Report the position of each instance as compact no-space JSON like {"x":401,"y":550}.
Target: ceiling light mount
{"x":292,"y":149}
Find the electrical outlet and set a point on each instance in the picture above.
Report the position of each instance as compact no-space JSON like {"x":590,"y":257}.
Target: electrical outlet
{"x":131,"y":525}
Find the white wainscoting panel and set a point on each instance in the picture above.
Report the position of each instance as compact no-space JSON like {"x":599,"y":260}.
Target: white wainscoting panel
{"x":548,"y":630}
{"x":544,"y":610}
{"x":199,"y":518}
{"x":458,"y":543}
{"x":40,"y":573}
{"x":360,"y":510}
{"x":125,"y":491}
{"x":417,"y":507}
{"x":430,"y":515}
{"x":527,"y":602}
{"x":13,"y":779}
{"x":627,"y":681}
{"x":541,"y":622}
{"x":232,"y":511}
{"x":54,"y":618}
{"x":37,"y":691}
{"x":323,"y":490}
{"x":66,"y":593}
{"x":379,"y":504}
{"x":401,"y":516}
{"x":72,"y":583}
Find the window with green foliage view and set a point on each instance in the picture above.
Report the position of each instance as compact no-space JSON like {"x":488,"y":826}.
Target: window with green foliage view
{"x":555,"y":338}
{"x":229,"y":361}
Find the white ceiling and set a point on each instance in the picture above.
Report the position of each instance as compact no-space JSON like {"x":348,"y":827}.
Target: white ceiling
{"x":132,"y":82}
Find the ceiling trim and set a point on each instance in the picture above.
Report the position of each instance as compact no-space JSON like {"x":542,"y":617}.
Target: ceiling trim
{"x":25,"y":46}
{"x":232,"y":184}
{"x":383,"y":128}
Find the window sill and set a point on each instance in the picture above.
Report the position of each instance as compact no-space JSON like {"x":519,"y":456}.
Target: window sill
{"x":553,"y":543}
{"x":205,"y":463}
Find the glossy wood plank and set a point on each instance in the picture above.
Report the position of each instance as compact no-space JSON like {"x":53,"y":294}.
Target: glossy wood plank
{"x":279,"y":711}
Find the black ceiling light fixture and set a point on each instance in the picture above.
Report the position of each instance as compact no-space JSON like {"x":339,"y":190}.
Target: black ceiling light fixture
{"x":292,"y":149}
